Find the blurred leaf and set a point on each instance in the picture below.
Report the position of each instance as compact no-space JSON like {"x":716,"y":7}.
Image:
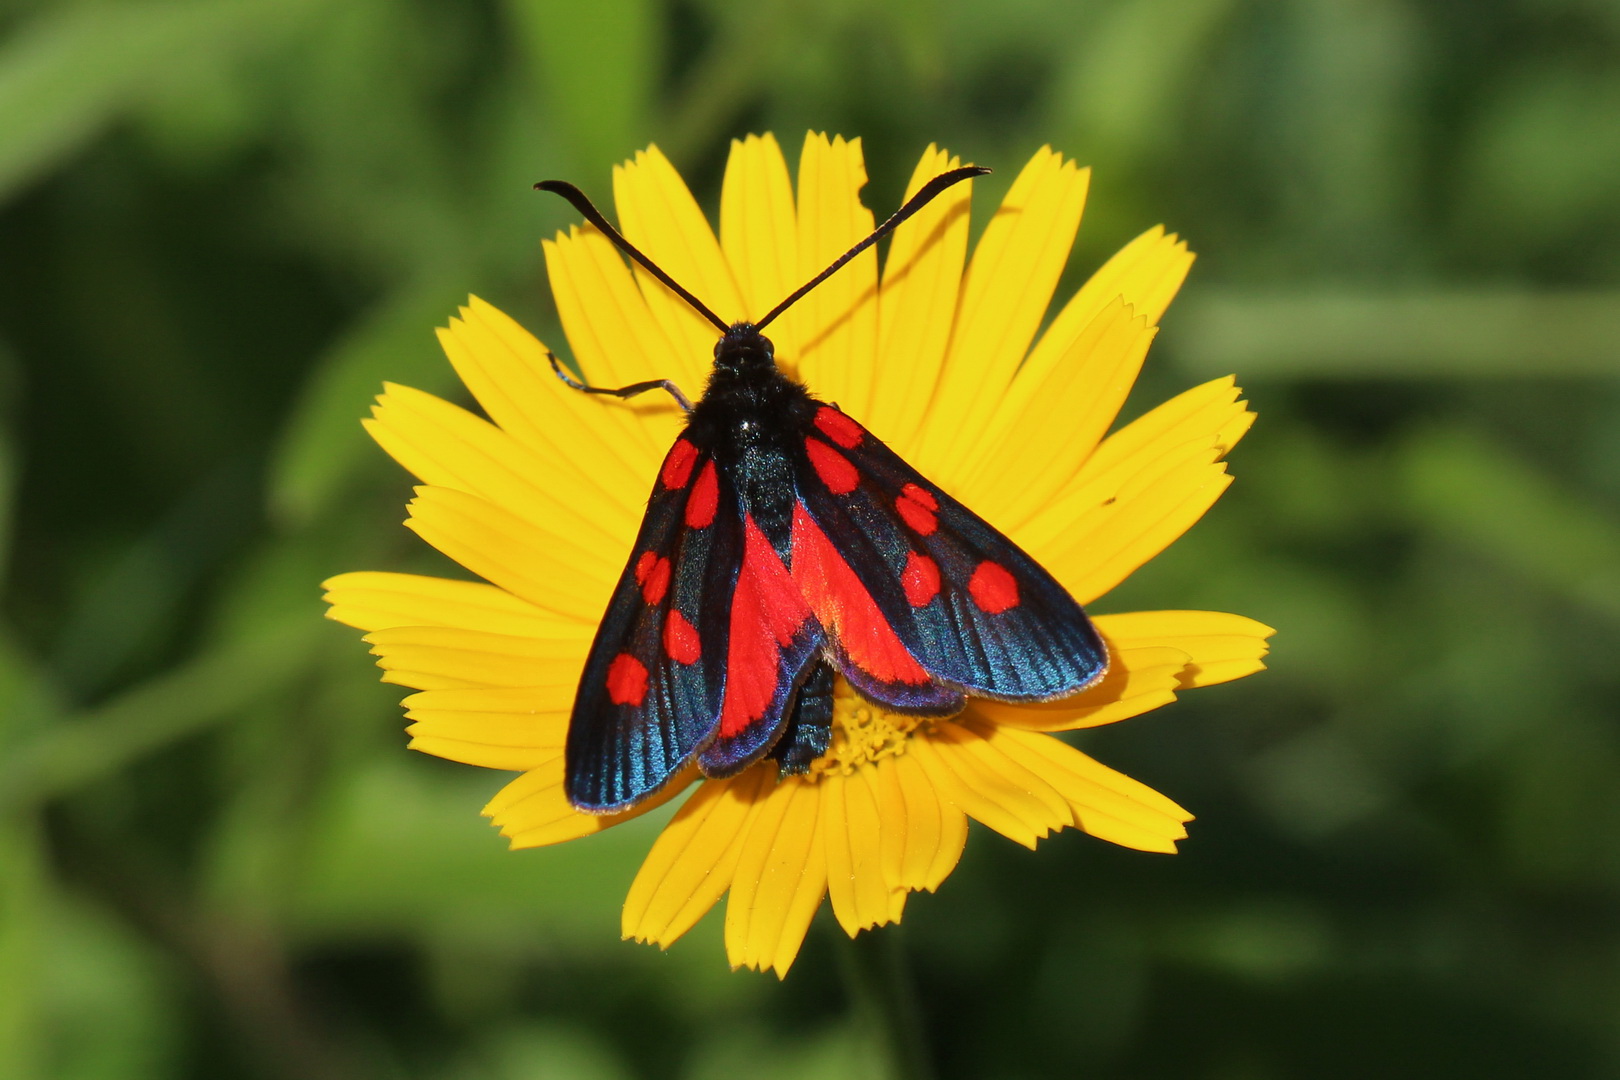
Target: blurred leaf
{"x":22,"y":962}
{"x":208,"y":689}
{"x":323,"y":445}
{"x":597,"y":63}
{"x":1399,"y":335}
{"x":74,"y":70}
{"x":1480,"y":495}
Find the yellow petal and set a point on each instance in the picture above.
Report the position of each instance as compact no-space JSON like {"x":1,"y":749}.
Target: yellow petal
{"x":1146,"y":274}
{"x":615,"y":338}
{"x":1105,"y":803}
{"x":509,"y":552}
{"x":931,"y":833}
{"x":922,"y":276}
{"x":995,"y":778}
{"x":897,"y":823}
{"x":448,"y":446}
{"x":774,"y":866}
{"x":658,"y":214}
{"x":604,"y":476}
{"x":1139,"y":679}
{"x":1008,"y":285}
{"x":515,"y":728}
{"x":374,"y":600}
{"x":965,"y":786}
{"x":1048,"y":423}
{"x":837,"y":321}
{"x":1145,"y":486}
{"x":692,"y":862}
{"x":474,"y":658}
{"x":850,"y":828}
{"x":533,"y":811}
{"x":1219,"y":647}
{"x":759,"y":235}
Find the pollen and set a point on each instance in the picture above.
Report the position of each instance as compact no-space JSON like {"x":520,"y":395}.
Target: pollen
{"x":863,"y":733}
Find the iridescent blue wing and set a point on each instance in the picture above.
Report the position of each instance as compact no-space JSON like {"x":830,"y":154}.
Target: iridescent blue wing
{"x":881,"y":553}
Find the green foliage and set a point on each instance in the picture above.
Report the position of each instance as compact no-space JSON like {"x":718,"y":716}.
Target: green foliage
{"x":226,"y":222}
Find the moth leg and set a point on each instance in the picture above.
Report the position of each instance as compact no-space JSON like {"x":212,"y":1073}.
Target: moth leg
{"x":624,"y":391}
{"x":809,"y":727}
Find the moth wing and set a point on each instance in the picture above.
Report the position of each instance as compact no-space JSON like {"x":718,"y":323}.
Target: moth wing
{"x":971,"y":607}
{"x":650,"y":694}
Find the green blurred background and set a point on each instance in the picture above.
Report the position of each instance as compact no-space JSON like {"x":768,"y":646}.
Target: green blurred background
{"x":226,"y":221}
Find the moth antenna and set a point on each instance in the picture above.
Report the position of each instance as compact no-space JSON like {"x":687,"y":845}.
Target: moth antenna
{"x":577,"y":198}
{"x":929,"y":192}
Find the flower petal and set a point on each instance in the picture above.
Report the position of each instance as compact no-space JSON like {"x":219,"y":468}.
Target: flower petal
{"x":450,"y":658}
{"x":1048,"y":423}
{"x":922,"y":278}
{"x":1125,"y":507}
{"x":1220,"y":647}
{"x":978,"y":793}
{"x":533,"y":811}
{"x":507,"y":369}
{"x":1146,"y":273}
{"x":1105,"y":803}
{"x":375,"y":600}
{"x":1008,"y":285}
{"x":446,"y":445}
{"x":692,"y":862}
{"x":759,"y":234}
{"x":780,"y":866}
{"x":1139,"y":679}
{"x":658,"y":214}
{"x":514,"y":728}
{"x":837,"y":321}
{"x":615,"y":339}
{"x":535,"y":564}
{"x":997,"y":778}
{"x":850,"y":829}
{"x":936,"y":830}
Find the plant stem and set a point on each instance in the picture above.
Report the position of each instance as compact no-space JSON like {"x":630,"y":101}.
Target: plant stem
{"x":883,"y":992}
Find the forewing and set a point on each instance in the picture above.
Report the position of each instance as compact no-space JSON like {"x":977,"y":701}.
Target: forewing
{"x":969,"y":605}
{"x":650,"y":694}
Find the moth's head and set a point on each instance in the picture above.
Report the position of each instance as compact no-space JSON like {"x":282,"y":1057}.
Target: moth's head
{"x":743,"y":347}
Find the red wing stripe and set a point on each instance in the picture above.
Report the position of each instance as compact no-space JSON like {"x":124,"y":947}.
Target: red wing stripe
{"x":845,"y":609}
{"x":766,"y":613}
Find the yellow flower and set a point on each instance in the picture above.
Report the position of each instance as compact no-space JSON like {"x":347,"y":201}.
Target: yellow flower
{"x":542,"y":500}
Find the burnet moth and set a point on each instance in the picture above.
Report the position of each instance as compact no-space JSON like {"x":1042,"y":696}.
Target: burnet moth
{"x":784,"y":544}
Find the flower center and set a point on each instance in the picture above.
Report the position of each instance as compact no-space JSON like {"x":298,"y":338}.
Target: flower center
{"x":862,"y":733}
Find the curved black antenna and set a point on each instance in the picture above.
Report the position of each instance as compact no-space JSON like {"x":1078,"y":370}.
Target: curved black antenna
{"x":929,"y":191}
{"x":594,"y":216}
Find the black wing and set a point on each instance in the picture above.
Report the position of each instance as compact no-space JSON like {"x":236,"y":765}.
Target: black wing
{"x":968,"y":604}
{"x":651,"y":690}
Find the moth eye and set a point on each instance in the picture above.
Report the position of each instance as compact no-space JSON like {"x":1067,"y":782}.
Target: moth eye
{"x":993,"y":588}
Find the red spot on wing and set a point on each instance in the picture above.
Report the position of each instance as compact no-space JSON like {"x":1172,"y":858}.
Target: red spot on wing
{"x":916,"y":506}
{"x":839,"y":428}
{"x":766,"y":613}
{"x":678,"y":464}
{"x":704,"y":500}
{"x":654,"y":577}
{"x":681,"y":641}
{"x":627,"y":680}
{"x":833,"y":468}
{"x":844,"y":607}
{"x":920,"y":578}
{"x":993,"y":588}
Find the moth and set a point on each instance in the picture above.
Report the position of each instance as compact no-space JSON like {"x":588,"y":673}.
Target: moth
{"x":785,"y":544}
